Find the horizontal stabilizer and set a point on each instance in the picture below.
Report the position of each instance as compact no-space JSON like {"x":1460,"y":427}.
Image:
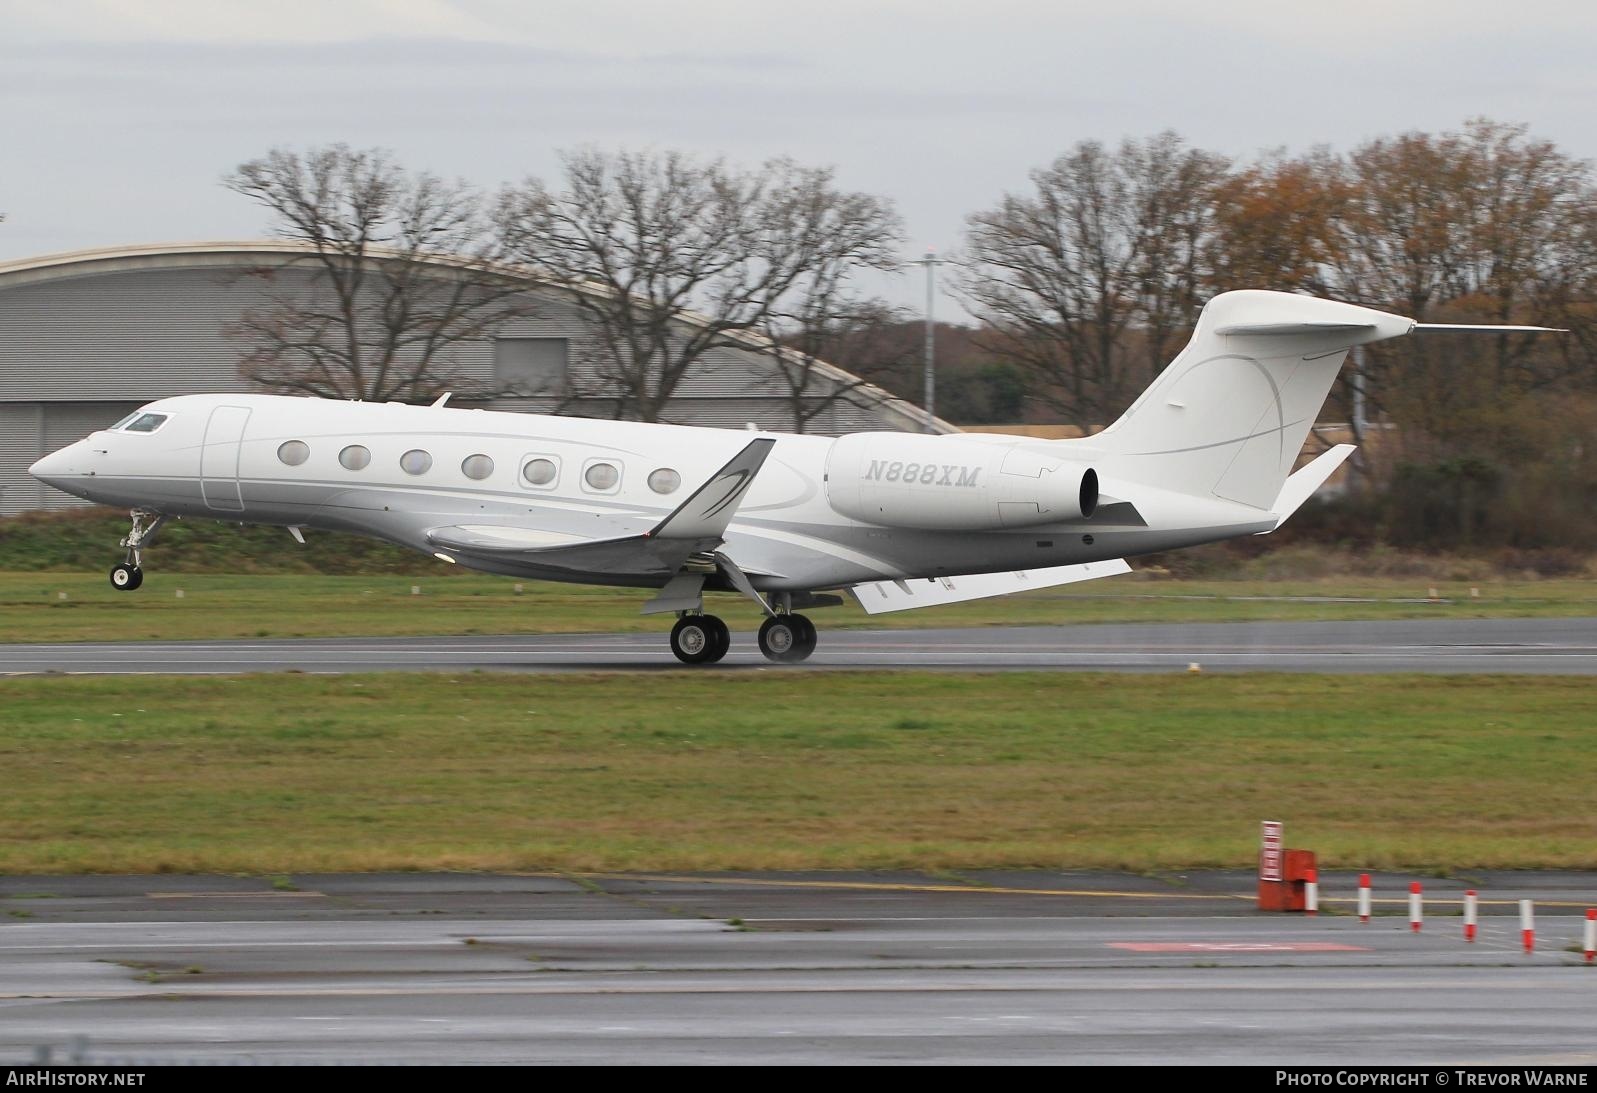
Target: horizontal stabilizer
{"x":1301,"y":484}
{"x":880,"y":597}
{"x":1292,"y":328}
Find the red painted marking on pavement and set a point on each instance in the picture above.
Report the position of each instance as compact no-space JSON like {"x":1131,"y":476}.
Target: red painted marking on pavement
{"x":1235,"y":947}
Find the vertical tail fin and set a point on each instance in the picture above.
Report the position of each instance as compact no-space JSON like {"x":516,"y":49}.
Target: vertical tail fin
{"x":1229,"y":415}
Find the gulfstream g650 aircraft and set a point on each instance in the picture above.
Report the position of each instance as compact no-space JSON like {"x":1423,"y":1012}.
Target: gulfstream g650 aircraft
{"x":898,"y":519}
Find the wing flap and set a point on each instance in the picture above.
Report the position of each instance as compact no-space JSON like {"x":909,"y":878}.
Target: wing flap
{"x":881,"y":597}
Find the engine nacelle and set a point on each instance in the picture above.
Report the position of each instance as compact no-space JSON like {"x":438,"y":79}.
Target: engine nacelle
{"x":908,"y":480}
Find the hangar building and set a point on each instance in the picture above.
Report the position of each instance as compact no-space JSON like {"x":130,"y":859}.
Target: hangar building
{"x":87,"y":337}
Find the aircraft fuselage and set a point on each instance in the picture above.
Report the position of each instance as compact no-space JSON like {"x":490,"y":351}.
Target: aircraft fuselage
{"x":395,"y":472}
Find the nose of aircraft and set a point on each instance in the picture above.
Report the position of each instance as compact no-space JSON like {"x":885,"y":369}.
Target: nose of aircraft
{"x":60,"y":467}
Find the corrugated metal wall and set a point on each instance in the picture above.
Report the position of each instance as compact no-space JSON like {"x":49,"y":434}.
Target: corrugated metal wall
{"x":29,"y":430}
{"x":21,"y":439}
{"x":79,"y":348}
{"x":137,"y":336}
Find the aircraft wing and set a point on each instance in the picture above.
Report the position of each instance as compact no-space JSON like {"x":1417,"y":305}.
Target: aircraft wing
{"x":880,"y":597}
{"x":698,"y":524}
{"x":544,"y":550}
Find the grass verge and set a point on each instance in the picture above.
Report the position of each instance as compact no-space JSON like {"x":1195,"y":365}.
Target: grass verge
{"x":83,"y":607}
{"x":708,"y":771}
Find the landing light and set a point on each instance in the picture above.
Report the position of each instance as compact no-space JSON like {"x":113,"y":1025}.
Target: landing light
{"x":443,"y":557}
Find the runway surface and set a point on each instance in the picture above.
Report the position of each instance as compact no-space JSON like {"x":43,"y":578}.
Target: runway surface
{"x":992,"y":968}
{"x":1537,"y":646}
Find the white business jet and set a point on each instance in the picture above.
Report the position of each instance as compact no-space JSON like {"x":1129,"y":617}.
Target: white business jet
{"x":900,"y":520}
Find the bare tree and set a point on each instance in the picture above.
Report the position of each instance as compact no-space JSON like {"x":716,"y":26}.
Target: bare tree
{"x":399,"y":269}
{"x":1089,"y":280}
{"x":677,"y":257}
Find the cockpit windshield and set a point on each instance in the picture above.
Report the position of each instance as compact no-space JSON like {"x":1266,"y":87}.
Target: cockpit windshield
{"x":141,"y":423}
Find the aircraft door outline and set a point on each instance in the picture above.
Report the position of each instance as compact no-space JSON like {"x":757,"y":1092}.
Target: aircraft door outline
{"x":219,"y":458}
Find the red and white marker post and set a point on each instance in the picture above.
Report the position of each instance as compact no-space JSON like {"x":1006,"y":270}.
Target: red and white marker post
{"x":1416,"y":907}
{"x":1364,"y":897}
{"x":1311,"y":892}
{"x":1589,"y":942}
{"x":1471,"y":915}
{"x":1527,"y":924}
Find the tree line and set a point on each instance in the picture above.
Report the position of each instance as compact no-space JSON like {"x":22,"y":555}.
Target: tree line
{"x":1084,"y":283}
{"x":1094,"y":275}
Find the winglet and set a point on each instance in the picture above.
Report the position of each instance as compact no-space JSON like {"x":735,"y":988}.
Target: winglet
{"x":1301,"y":483}
{"x":706,"y":514}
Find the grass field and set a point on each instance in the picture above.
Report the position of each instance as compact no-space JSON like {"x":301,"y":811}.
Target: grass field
{"x":83,"y":606}
{"x":771,"y":771}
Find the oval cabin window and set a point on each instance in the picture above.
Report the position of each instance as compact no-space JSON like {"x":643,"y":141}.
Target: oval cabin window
{"x":665,"y":480}
{"x":416,"y":461}
{"x":601,"y":476}
{"x":293,"y":452}
{"x":356,"y":457}
{"x":477,"y":467}
{"x":539,"y":472}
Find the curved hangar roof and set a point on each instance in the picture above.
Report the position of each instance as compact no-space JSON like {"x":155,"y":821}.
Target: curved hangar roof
{"x":145,"y":321}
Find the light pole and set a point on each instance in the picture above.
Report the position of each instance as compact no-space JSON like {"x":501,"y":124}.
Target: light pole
{"x":1358,"y":394}
{"x":931,"y":262}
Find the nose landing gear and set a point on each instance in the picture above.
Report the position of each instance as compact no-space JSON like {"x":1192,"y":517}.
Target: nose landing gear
{"x":130,"y":574}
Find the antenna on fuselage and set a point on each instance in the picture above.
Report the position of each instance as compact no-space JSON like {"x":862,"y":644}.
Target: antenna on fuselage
{"x":1482,"y":328}
{"x":441,"y":399}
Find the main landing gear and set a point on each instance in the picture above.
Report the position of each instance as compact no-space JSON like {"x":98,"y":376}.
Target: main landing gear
{"x":700,"y":639}
{"x":697,"y":638}
{"x":704,"y":639}
{"x":130,"y":574}
{"x":787,"y":639}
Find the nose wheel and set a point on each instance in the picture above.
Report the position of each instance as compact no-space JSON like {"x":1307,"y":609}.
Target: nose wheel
{"x":787,"y":639}
{"x":700,"y":639}
{"x":125,"y":578}
{"x":130,"y":574}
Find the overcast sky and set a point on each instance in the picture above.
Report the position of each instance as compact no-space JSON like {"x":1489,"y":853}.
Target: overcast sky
{"x":119,"y":116}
